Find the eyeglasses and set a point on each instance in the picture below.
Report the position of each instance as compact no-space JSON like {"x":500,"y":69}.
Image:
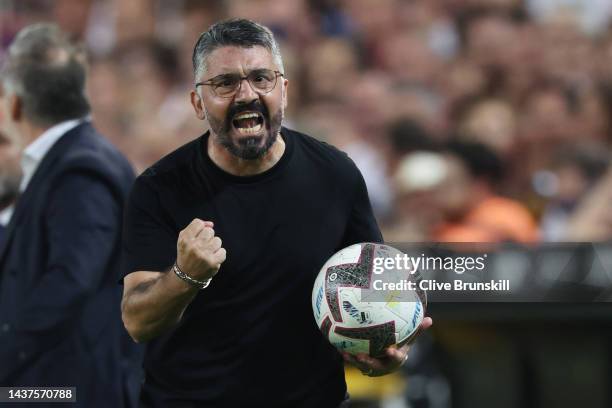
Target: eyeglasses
{"x":262,"y":81}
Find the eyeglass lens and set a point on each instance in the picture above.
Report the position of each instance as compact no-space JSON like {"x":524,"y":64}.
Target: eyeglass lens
{"x":261,"y":80}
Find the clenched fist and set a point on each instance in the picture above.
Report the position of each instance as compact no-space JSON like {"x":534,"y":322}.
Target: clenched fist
{"x":199,"y":251}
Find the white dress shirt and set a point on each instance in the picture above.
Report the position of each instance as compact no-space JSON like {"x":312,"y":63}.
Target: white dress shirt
{"x":5,"y":216}
{"x":36,"y":151}
{"x":34,"y":154}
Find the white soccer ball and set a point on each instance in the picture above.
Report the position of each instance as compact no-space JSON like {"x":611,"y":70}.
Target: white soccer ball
{"x":353,"y":316}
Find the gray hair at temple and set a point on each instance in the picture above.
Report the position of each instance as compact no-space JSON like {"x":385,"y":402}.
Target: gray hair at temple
{"x":47,"y":72}
{"x":237,"y":32}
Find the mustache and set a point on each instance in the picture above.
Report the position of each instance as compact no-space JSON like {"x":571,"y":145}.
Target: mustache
{"x":254,"y":106}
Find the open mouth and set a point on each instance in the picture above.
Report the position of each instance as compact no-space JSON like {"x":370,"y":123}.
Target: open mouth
{"x":248,"y":123}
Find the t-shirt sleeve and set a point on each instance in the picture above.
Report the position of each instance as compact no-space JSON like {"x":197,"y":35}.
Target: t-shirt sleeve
{"x":149,"y":239}
{"x":362,"y":225}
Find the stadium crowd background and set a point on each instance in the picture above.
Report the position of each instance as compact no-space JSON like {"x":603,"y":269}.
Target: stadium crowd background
{"x":449,"y":107}
{"x":471,"y":120}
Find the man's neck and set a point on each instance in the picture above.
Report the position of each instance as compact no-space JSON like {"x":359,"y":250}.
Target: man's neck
{"x":31,"y":133}
{"x":241,"y":167}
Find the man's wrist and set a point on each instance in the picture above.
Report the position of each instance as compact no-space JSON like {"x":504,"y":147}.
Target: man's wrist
{"x":188,"y":279}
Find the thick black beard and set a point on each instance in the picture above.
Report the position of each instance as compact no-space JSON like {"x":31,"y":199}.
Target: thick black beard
{"x":249,"y":148}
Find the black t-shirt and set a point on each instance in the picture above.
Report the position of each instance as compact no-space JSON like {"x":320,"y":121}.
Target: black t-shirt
{"x":250,"y":338}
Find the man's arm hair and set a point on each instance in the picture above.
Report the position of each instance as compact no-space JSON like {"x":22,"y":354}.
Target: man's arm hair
{"x":153,"y":302}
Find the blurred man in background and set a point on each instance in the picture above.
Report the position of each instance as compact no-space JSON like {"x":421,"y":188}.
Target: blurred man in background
{"x":472,"y":209}
{"x":59,"y":302}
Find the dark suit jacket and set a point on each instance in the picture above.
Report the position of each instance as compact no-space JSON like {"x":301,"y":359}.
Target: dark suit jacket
{"x":60,"y":321}
{"x":2,"y":234}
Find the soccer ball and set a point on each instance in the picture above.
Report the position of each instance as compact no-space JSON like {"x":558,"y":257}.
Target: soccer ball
{"x":353,"y":315}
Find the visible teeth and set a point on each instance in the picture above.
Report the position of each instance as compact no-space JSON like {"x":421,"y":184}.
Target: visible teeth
{"x":246,"y":116}
{"x":250,"y":131}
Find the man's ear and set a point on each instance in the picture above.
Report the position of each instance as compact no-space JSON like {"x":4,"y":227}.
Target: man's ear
{"x":15,"y":107}
{"x":284,"y":92}
{"x":198,"y":107}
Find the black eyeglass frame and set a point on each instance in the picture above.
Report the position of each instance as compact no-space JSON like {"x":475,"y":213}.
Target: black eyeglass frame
{"x":209,"y":83}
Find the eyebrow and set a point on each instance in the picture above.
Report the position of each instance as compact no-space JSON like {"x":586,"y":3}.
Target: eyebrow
{"x":222,"y":76}
{"x":231,"y":74}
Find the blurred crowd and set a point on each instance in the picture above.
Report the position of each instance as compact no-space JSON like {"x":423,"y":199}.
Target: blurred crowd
{"x":471,"y":120}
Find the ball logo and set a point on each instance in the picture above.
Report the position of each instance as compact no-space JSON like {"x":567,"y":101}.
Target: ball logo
{"x":344,"y":344}
{"x":318,"y":302}
{"x":417,"y":314}
{"x":361,"y":317}
{"x":333,"y":277}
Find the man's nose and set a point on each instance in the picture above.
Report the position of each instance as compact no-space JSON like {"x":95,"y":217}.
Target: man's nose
{"x":245,"y":92}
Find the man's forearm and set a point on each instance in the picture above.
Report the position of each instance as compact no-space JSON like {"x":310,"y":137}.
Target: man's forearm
{"x":155,"y":305}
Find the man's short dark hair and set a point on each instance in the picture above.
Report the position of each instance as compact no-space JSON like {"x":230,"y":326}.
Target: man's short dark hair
{"x":48,"y":73}
{"x":238,"y":32}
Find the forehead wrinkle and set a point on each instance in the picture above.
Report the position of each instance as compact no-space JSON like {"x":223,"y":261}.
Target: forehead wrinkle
{"x":238,"y":60}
